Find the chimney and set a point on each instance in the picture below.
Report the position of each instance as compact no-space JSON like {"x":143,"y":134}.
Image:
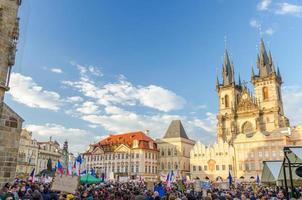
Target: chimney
{"x":147,"y":132}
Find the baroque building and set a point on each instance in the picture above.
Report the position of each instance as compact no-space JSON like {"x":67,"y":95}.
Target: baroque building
{"x":28,"y":154}
{"x":127,"y":155}
{"x":49,"y":150}
{"x":251,"y":126}
{"x":175,"y":149}
{"x":10,"y":121}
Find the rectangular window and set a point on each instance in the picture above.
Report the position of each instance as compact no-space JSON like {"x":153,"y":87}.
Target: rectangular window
{"x":223,"y":167}
{"x":274,"y":153}
{"x":146,"y":169}
{"x":118,"y":156}
{"x":247,"y":166}
{"x":123,"y":156}
{"x":152,"y":169}
{"x":199,"y":168}
{"x":149,"y":169}
{"x":118,"y":169}
{"x":137,"y":155}
{"x":260,"y":154}
{"x":230,"y":167}
{"x":132,"y":155}
{"x":205,"y":168}
{"x":217,"y":167}
{"x":194,"y":168}
{"x":136,"y":168}
{"x":252,"y":166}
{"x":149,"y":155}
{"x":132,"y":168}
{"x":146,"y":155}
{"x":266,"y":154}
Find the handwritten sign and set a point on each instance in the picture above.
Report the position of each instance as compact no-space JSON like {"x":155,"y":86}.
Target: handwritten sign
{"x":64,"y":183}
{"x":150,"y":186}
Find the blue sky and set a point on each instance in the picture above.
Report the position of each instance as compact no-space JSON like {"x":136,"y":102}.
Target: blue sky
{"x":85,"y":70}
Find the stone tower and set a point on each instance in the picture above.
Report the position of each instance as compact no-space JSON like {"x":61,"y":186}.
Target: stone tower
{"x":241,"y":111}
{"x":267,"y":84}
{"x":10,"y":122}
{"x":228,"y":92}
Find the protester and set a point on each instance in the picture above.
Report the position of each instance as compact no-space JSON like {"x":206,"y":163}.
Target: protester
{"x":137,"y":190}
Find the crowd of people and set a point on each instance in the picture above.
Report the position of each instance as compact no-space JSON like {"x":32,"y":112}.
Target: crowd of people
{"x":22,"y":190}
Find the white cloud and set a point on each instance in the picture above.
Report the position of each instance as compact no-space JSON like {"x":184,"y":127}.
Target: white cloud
{"x":56,"y":70}
{"x":162,"y":99}
{"x":270,"y":31}
{"x":122,"y":92}
{"x":78,"y":139}
{"x":264,"y":5}
{"x":208,"y":124}
{"x":292,"y":98}
{"x":289,"y":9}
{"x":255,"y":24}
{"x":74,"y":99}
{"x":26,"y":91}
{"x":88,"y":107}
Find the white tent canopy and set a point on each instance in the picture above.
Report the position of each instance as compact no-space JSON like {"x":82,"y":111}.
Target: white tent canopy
{"x":271,"y":171}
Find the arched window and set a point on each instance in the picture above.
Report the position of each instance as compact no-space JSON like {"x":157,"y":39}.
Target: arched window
{"x":226,"y":101}
{"x":265,"y":93}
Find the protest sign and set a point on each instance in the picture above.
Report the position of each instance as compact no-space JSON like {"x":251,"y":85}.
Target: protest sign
{"x":64,"y":183}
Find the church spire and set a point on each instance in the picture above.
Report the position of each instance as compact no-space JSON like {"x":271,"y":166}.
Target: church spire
{"x":264,"y":61}
{"x":227,"y":70}
{"x":239,"y":81}
{"x":217,"y":82}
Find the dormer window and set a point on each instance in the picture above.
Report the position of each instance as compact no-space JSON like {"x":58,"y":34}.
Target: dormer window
{"x":135,"y":143}
{"x":151,"y":145}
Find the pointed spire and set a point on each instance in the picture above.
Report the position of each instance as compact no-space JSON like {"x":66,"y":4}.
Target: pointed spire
{"x":264,"y":61}
{"x":217,"y":82}
{"x":239,"y":81}
{"x":227,"y":70}
{"x":253,"y":73}
{"x":278,"y":73}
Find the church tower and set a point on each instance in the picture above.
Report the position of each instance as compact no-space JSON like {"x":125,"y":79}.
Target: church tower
{"x":9,"y":29}
{"x":10,"y":121}
{"x":228,"y":93}
{"x":267,"y":84}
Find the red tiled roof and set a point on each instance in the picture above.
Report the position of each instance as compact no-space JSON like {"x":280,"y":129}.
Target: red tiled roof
{"x":126,"y":138}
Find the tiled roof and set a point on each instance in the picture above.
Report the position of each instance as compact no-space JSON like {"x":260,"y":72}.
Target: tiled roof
{"x":127,"y":139}
{"x":176,"y":130}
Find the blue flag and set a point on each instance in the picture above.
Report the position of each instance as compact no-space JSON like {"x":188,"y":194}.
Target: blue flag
{"x":230,"y":179}
{"x":258,"y":180}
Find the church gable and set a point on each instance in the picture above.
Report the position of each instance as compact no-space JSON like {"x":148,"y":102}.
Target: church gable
{"x":247,"y":103}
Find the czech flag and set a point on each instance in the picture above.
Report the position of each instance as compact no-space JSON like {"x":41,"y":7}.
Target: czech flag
{"x":59,"y":167}
{"x":32,"y":176}
{"x":69,"y":169}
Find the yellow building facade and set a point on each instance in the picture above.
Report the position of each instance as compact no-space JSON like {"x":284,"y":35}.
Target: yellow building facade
{"x":251,"y":126}
{"x":175,"y":148}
